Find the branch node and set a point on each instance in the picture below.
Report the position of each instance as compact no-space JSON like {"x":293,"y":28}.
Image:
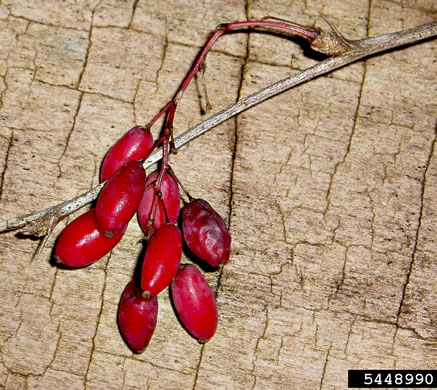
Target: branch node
{"x":331,"y":43}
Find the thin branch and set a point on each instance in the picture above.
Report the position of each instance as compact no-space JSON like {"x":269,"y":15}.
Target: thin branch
{"x":41,"y":223}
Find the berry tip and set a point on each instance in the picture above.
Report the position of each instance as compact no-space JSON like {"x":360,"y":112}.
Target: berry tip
{"x":57,"y":260}
{"x":138,"y":351}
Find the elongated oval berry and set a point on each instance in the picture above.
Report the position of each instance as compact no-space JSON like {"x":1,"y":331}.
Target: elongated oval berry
{"x":136,"y":144}
{"x":171,"y":197}
{"x":119,"y":199}
{"x":82,"y":242}
{"x":205,"y":232}
{"x":137,"y":317}
{"x":171,"y":200}
{"x":194,"y":303}
{"x":161,"y":260}
{"x":144,"y":211}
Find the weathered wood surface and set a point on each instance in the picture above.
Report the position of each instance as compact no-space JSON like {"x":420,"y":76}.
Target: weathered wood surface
{"x":329,"y":189}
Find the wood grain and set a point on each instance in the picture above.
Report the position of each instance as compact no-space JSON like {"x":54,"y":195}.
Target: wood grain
{"x":329,"y":190}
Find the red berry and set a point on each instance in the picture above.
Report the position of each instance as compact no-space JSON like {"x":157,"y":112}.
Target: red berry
{"x":171,"y":200}
{"x":136,"y":144}
{"x":137,"y":317}
{"x":194,"y":303}
{"x":145,"y":207}
{"x":82,"y":242}
{"x":119,"y":199}
{"x":171,"y":197}
{"x":205,"y":232}
{"x":162,"y":259}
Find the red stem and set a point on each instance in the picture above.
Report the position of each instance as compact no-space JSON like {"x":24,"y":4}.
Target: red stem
{"x":170,"y":108}
{"x":306,"y":32}
{"x":164,"y":164}
{"x":157,"y":183}
{"x":160,"y":113}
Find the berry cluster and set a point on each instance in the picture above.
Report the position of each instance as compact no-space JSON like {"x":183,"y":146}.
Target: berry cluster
{"x":156,"y":199}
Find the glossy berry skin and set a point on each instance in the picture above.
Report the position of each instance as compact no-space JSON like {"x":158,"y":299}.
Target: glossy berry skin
{"x":145,"y":207}
{"x":171,"y":200}
{"x":194,"y":303}
{"x":82,"y":242}
{"x":205,"y":232}
{"x":161,"y":260}
{"x":119,"y":198}
{"x":136,"y":144}
{"x":137,"y":317}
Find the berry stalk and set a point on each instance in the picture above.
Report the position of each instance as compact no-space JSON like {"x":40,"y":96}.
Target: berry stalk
{"x":169,"y":109}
